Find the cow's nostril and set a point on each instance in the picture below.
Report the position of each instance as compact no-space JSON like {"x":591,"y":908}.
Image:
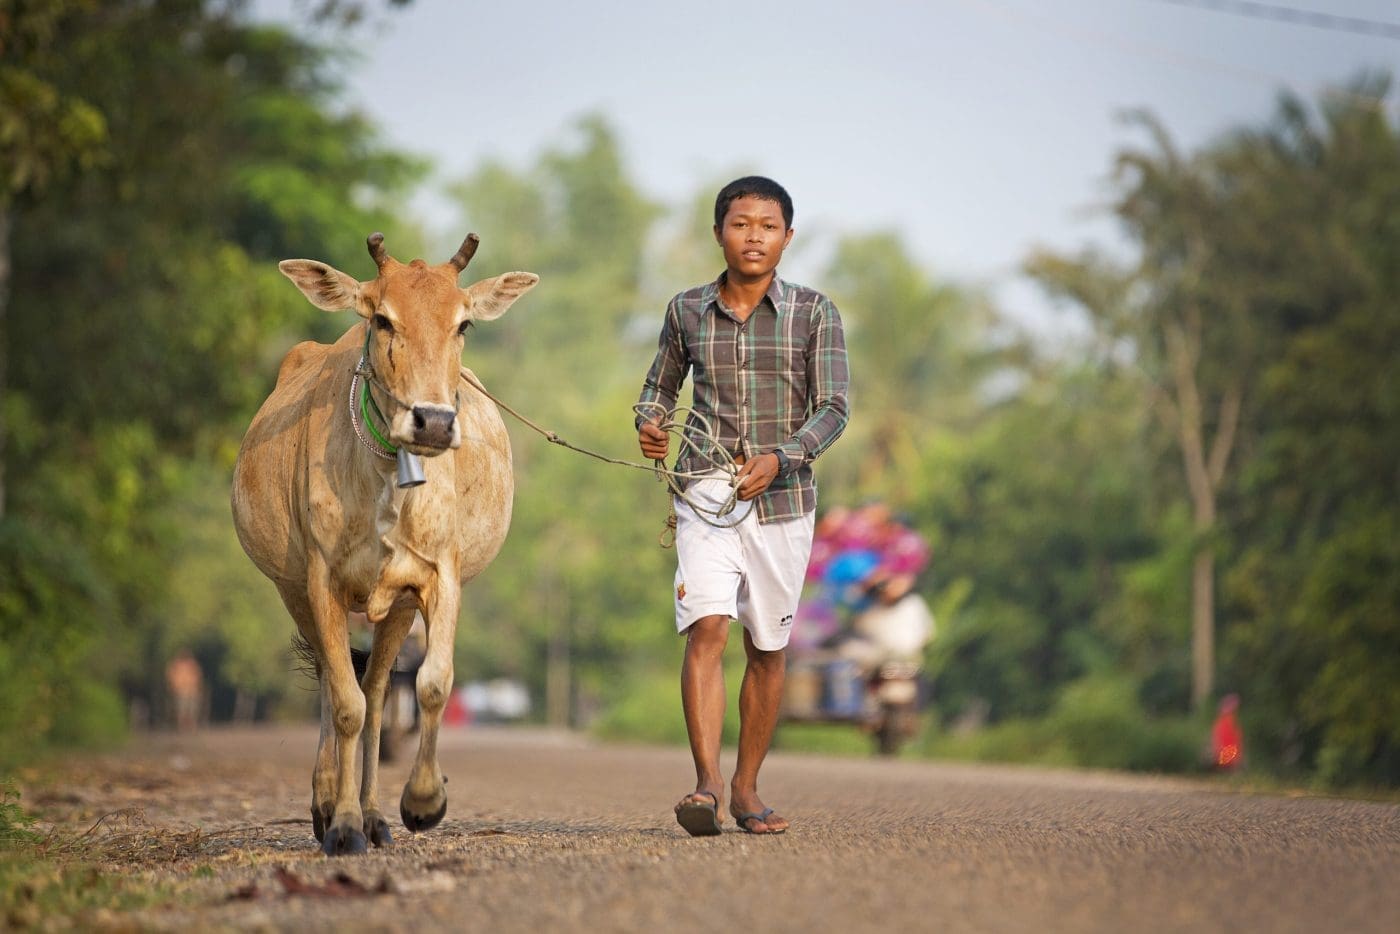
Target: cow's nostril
{"x":434,"y":425}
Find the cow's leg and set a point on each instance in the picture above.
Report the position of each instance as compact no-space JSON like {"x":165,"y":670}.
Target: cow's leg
{"x":347,"y":712}
{"x":424,"y":801}
{"x":323,"y":775}
{"x":388,"y":637}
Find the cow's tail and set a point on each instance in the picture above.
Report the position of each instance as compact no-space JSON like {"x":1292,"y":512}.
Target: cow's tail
{"x":305,"y":655}
{"x":308,"y":662}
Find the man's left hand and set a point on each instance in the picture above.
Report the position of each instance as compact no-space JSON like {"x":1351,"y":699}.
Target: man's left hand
{"x":756,"y":475}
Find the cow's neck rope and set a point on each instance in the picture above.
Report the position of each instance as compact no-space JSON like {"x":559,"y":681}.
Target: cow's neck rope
{"x":694,"y":433}
{"x":361,"y":401}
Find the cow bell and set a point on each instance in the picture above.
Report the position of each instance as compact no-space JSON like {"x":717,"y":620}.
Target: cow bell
{"x":410,"y":471}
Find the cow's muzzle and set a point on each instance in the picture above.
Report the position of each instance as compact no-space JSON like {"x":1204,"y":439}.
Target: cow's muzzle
{"x":433,"y":428}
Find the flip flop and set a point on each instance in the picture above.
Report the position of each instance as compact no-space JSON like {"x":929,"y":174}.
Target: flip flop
{"x":700,"y":820}
{"x":761,"y":816}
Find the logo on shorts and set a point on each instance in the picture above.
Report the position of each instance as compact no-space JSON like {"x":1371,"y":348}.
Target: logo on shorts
{"x":680,"y":592}
{"x":785,"y":622}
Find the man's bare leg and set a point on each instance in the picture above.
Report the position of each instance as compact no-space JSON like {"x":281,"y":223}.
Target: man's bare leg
{"x":702,"y":697}
{"x":759,"y":697}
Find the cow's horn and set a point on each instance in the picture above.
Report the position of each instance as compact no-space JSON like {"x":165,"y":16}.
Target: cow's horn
{"x":376,"y":248}
{"x":465,"y":252}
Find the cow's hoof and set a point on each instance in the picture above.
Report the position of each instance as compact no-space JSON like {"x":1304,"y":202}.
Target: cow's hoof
{"x":377,"y":829}
{"x":320,"y":821}
{"x":343,"y":841}
{"x":419,"y":816}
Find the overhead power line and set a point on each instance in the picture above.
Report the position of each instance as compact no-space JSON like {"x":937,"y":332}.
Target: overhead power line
{"x":1296,"y":16}
{"x":1143,"y":50}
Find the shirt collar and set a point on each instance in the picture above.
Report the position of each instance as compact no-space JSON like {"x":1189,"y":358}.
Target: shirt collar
{"x":776,"y":289}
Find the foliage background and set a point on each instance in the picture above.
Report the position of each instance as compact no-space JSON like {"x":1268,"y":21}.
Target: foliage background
{"x":160,"y":157}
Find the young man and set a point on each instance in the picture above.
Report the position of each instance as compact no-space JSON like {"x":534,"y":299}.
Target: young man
{"x":768,"y":360}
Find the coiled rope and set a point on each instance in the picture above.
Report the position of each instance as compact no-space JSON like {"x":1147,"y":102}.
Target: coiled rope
{"x":699,"y":437}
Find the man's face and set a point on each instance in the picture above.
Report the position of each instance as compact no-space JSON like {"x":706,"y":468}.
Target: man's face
{"x":753,"y":236}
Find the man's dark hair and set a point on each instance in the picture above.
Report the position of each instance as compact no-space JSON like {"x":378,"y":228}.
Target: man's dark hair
{"x":753,"y":186}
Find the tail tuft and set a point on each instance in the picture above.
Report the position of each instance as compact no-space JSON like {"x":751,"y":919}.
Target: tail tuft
{"x":308,"y":662}
{"x":306,"y":657}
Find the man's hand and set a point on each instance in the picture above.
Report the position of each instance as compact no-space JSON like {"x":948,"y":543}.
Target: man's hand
{"x":655,"y":442}
{"x":756,"y":474}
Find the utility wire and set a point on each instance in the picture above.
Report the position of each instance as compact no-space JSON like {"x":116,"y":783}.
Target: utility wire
{"x":1125,"y":45}
{"x":1295,"y":16}
{"x":1106,"y":39}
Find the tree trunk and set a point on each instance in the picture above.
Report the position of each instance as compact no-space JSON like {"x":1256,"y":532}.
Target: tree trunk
{"x":245,"y":705}
{"x":1202,"y":627}
{"x":557,"y":681}
{"x":4,"y":339}
{"x":1205,"y":470}
{"x":558,"y":677}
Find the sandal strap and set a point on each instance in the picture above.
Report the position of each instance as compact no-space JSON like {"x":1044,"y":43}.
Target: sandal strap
{"x":761,"y":817}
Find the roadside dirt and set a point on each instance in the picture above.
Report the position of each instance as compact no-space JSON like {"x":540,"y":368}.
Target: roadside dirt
{"x":551,"y":831}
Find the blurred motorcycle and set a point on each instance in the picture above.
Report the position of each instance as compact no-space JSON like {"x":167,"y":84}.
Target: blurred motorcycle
{"x":870,"y":677}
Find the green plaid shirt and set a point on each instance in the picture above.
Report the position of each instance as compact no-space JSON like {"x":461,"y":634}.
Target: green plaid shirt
{"x":777,"y":380}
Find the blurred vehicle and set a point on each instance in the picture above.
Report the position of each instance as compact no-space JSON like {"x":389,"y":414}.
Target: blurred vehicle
{"x":499,"y":700}
{"x":871,"y":677}
{"x":885,"y":702}
{"x":858,"y":640}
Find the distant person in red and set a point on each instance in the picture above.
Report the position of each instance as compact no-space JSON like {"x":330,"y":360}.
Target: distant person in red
{"x":1226,"y":740}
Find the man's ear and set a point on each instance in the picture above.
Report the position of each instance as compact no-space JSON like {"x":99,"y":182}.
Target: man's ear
{"x":488,"y":299}
{"x":328,"y":288}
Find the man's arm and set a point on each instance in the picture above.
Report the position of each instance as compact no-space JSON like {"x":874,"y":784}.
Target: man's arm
{"x":662,"y":385}
{"x":828,"y":380}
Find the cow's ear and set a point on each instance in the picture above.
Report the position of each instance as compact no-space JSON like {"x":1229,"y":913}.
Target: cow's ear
{"x":328,"y":288}
{"x":488,"y":299}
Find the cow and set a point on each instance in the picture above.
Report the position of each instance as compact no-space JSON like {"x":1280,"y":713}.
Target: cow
{"x":318,"y":510}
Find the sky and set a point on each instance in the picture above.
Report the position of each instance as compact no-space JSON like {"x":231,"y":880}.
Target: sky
{"x":978,"y":129}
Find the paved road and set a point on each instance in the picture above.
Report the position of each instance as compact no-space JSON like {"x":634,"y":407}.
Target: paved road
{"x":549,"y":832}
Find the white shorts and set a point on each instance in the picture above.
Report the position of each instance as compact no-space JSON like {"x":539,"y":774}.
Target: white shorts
{"x":749,"y":571}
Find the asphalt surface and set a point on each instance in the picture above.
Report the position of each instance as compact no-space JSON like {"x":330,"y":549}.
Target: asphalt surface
{"x":550,"y":831}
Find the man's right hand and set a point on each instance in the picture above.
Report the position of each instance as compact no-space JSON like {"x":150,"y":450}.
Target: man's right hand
{"x":653,"y":440}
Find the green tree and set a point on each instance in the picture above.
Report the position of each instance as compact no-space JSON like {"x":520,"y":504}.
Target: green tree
{"x":1187,"y":310}
{"x":1037,"y":514}
{"x":576,"y":584}
{"x":44,"y":133}
{"x":151,"y":317}
{"x":921,"y":353}
{"x":1261,"y":303}
{"x":1313,"y":591}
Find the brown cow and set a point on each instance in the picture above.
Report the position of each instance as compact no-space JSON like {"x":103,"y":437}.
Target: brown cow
{"x":318,"y":510}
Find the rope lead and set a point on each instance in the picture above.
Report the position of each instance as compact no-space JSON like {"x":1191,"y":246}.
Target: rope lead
{"x":708,"y":449}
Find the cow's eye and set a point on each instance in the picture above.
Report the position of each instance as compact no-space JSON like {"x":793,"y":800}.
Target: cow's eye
{"x":383,"y":323}
{"x":462,"y":328}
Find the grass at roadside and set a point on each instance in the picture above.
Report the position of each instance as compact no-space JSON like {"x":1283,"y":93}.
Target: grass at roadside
{"x":35,"y":889}
{"x":49,"y":876}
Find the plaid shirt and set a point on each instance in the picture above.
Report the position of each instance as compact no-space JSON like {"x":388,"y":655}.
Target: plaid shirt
{"x":775,"y":381}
